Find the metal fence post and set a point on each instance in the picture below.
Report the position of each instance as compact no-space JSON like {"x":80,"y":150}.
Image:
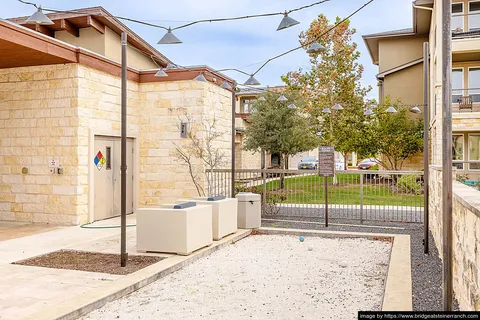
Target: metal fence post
{"x":264,"y":183}
{"x":361,"y":198}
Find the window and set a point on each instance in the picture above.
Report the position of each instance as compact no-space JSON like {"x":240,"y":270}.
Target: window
{"x":247,"y":105}
{"x":457,"y":84}
{"x":457,"y":17}
{"x":457,"y":150}
{"x":474,"y":83}
{"x":108,"y":163}
{"x":474,"y":151}
{"x":474,"y":15}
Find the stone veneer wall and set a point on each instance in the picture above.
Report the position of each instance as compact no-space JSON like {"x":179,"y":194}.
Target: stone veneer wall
{"x":51,"y":112}
{"x":466,"y":238}
{"x":38,"y":122}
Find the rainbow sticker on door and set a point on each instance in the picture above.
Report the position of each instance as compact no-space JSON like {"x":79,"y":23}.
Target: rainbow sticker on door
{"x":99,"y":160}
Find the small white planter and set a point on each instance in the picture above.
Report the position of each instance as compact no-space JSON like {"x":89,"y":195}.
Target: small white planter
{"x":169,"y":230}
{"x":224,"y":215}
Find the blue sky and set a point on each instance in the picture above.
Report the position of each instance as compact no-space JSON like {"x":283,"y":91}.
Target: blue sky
{"x":236,"y":44}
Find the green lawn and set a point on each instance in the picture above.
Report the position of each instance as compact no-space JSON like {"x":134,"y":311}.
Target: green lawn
{"x":310,"y":190}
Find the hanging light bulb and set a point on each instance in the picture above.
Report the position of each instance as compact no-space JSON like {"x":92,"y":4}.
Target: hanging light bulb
{"x":251,"y":81}
{"x":282,"y":98}
{"x":161,"y":73}
{"x":262,"y":98}
{"x":326,"y":110}
{"x":226,"y":85}
{"x":292,"y":106}
{"x":287,"y":22}
{"x":39,"y":18}
{"x":368,"y":112}
{"x":200,"y":78}
{"x":337,"y":107}
{"x":316,"y":47}
{"x":171,"y":66}
{"x":169,"y":38}
{"x":391,"y":109}
{"x":416,"y":109}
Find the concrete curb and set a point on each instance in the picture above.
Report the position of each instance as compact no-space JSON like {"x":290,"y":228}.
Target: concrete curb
{"x":398,"y":285}
{"x":94,"y":299}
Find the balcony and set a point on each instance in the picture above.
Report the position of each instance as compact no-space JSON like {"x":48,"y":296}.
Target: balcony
{"x":466,"y":100}
{"x":465,"y":31}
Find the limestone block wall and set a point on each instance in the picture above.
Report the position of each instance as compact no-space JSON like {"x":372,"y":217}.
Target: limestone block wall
{"x":39,"y":123}
{"x":466,"y":239}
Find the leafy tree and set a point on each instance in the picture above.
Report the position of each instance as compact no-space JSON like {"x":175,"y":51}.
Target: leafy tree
{"x":394,"y":137}
{"x":276,"y":128}
{"x":333,"y":77}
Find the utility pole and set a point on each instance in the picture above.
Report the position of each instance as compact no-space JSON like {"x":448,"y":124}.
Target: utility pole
{"x":426,"y":126}
{"x":234,"y":133}
{"x":123,"y":164}
{"x":447,"y":154}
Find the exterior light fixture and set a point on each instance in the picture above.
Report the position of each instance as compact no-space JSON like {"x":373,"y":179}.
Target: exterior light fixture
{"x":368,"y":112}
{"x":391,"y":109}
{"x":262,"y":98}
{"x":225,"y":85}
{"x":316,"y":47}
{"x":287,"y":22}
{"x":337,"y":107}
{"x":416,"y":109}
{"x":326,"y":110}
{"x":169,"y":38}
{"x":200,"y":78}
{"x":251,"y":81}
{"x":161,"y":73}
{"x":282,"y":98}
{"x":39,"y":18}
{"x":292,"y":106}
{"x":171,"y":66}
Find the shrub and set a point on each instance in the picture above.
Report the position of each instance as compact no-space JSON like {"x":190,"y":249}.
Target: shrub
{"x":375,"y":167}
{"x":408,"y":183}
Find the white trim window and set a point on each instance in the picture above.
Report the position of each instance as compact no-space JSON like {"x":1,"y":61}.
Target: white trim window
{"x":473,"y":15}
{"x":474,"y":151}
{"x":457,"y":150}
{"x":457,"y":84}
{"x":474,"y":83}
{"x":457,"y":17}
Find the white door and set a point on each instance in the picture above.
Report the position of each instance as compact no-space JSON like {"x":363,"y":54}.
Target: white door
{"x":107,"y":177}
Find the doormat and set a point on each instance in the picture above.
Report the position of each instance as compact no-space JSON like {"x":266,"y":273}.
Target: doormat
{"x":90,"y":261}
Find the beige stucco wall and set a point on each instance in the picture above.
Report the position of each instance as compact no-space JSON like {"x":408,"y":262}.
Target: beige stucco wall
{"x":89,"y":38}
{"x":406,"y":85}
{"x":54,"y":112}
{"x":396,"y":52}
{"x":108,"y":45}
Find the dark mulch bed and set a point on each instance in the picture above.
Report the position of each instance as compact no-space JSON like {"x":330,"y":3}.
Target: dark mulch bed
{"x":89,"y":261}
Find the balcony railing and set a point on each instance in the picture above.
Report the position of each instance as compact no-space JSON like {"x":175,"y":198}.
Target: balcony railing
{"x":466,"y":25}
{"x":466,"y":100}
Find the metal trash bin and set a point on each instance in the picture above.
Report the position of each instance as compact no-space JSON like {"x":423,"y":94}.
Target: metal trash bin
{"x":249,"y":210}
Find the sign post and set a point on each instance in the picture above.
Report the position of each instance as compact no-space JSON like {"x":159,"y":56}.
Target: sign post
{"x":326,"y":168}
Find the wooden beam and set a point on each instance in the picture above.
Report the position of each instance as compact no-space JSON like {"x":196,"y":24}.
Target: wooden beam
{"x":92,"y":22}
{"x":42,"y":29}
{"x":70,"y":28}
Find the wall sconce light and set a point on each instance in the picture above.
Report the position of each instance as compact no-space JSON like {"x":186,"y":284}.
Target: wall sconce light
{"x":183,"y":129}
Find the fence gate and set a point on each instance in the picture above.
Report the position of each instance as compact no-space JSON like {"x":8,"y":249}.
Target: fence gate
{"x":395,"y":196}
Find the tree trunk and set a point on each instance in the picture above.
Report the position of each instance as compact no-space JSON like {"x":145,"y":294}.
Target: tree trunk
{"x":345,"y":161}
{"x":282,"y":167}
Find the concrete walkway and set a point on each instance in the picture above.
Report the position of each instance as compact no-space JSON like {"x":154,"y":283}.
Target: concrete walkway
{"x":27,"y":292}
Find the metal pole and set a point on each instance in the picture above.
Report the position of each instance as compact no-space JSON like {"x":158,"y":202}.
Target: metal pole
{"x":326,"y":201}
{"x":264,"y":178}
{"x":361,"y":198}
{"x":234,"y":133}
{"x":447,"y":154}
{"x":123,"y":164}
{"x":426,"y":113}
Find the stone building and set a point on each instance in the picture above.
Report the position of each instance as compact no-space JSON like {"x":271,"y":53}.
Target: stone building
{"x":60,"y":120}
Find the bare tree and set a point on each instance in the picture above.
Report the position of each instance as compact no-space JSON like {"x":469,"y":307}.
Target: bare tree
{"x":202,"y":150}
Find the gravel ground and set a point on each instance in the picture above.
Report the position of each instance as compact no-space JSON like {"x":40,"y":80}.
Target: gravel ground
{"x":426,"y":269}
{"x":266,"y":277}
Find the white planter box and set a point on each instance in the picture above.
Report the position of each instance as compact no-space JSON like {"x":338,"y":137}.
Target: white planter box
{"x":224,"y":215}
{"x":179,"y":231}
{"x":249,"y":210}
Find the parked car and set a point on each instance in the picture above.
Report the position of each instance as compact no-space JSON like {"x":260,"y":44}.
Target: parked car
{"x":309,"y":163}
{"x":367,"y":163}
